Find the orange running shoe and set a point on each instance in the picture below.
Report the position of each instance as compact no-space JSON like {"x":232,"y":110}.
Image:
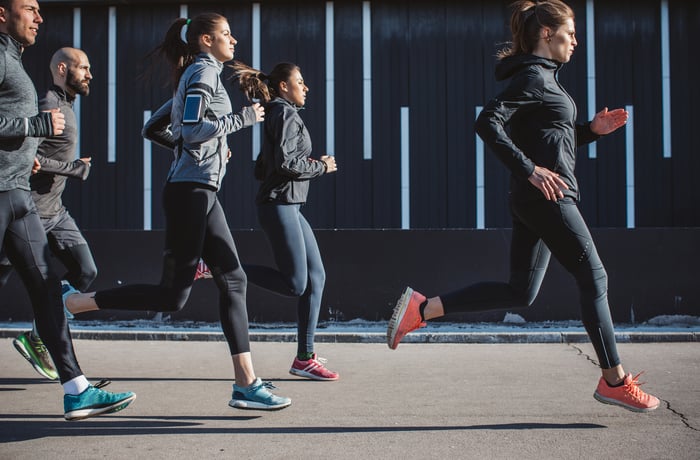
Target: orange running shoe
{"x":406,"y":317}
{"x":627,"y":395}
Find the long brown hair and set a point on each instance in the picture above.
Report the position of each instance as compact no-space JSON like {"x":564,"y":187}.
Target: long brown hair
{"x":180,"y":54}
{"x":528,"y":18}
{"x":257,"y":85}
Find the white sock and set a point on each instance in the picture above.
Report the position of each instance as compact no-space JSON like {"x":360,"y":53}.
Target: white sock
{"x":76,"y":386}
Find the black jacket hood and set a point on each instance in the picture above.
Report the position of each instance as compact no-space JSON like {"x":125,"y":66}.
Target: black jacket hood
{"x":508,"y":66}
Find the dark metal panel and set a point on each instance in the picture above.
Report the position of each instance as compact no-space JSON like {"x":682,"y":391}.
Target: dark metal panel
{"x":496,"y":32}
{"x":628,"y":72}
{"x":353,"y":180}
{"x":427,"y":95}
{"x":390,"y":91}
{"x":684,"y":21}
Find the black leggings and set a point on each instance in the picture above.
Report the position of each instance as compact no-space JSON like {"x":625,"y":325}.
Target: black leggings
{"x":25,"y":244}
{"x":540,"y":229}
{"x":301,"y":273}
{"x":195,"y":225}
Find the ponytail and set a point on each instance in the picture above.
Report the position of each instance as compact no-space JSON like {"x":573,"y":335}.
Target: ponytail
{"x":528,"y":18}
{"x":256,"y":85}
{"x":180,"y":46}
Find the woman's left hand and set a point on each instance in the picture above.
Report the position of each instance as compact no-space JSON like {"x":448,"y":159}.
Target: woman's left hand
{"x":606,"y":122}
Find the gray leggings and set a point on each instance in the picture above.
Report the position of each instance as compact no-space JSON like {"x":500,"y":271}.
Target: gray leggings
{"x":542,"y":228}
{"x":300,"y":268}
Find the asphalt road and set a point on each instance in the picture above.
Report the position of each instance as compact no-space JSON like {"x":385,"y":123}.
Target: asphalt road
{"x":422,"y":401}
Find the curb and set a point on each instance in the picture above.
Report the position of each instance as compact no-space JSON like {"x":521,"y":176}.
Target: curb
{"x":377,"y":337}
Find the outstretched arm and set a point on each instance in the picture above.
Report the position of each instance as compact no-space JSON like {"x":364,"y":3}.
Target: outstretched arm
{"x":605,"y":122}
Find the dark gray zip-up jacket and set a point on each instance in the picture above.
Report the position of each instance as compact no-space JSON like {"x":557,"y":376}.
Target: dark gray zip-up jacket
{"x":284,"y":164}
{"x":57,"y":157}
{"x":203,"y":152}
{"x":21,"y":123}
{"x":541,"y":117}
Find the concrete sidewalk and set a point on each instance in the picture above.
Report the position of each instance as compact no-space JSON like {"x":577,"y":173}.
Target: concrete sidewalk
{"x":523,"y":401}
{"x":372,"y":332}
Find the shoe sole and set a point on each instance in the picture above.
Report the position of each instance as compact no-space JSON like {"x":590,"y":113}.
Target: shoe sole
{"x":19,"y":346}
{"x":252,"y":405}
{"x":82,"y":414}
{"x":308,"y":375}
{"x":615,"y":402}
{"x":397,"y":317}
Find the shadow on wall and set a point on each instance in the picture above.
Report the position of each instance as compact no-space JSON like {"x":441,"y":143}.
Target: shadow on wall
{"x":651,"y":272}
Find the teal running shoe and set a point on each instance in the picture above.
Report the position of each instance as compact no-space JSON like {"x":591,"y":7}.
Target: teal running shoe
{"x":257,"y":396}
{"x":66,"y":291}
{"x":33,"y":350}
{"x":94,"y":401}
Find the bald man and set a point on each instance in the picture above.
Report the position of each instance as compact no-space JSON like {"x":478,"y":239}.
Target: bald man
{"x":70,"y":70}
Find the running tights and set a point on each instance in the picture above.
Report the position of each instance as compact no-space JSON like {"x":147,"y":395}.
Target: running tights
{"x":24,"y":242}
{"x":195,"y":225}
{"x":540,"y":229}
{"x":300,"y":268}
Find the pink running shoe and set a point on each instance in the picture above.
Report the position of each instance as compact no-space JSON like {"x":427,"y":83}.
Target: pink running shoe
{"x":203,"y":271}
{"x":406,"y":317}
{"x":313,"y":369}
{"x":627,"y":395}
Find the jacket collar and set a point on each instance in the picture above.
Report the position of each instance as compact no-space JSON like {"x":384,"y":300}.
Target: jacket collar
{"x":281,"y":100}
{"x":11,"y":45}
{"x":62,"y":94}
{"x":209,"y":59}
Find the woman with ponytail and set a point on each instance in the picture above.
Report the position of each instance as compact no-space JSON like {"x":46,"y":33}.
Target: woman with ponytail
{"x":195,"y":123}
{"x":531,"y":127}
{"x":285,"y":168}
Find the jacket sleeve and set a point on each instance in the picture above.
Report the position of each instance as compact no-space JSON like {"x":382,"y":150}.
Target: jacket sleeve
{"x":288,"y":161}
{"x":77,"y":169}
{"x":520,"y":95}
{"x":157,"y":128}
{"x":209,"y":126}
{"x":37,"y":126}
{"x":584,"y":135}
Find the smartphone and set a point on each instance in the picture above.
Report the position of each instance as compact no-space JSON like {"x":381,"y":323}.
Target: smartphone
{"x":193,"y":108}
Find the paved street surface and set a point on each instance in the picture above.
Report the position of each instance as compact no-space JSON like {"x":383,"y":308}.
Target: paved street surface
{"x":422,"y":401}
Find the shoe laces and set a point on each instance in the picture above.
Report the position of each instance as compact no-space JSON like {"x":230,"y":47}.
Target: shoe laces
{"x":38,"y":345}
{"x":633,"y":387}
{"x":269,"y":385}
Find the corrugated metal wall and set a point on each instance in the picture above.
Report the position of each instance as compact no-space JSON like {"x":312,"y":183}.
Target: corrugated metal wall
{"x":431,"y":65}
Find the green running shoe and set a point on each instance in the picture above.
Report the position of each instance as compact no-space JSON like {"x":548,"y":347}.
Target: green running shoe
{"x":94,"y":401}
{"x":34,"y":351}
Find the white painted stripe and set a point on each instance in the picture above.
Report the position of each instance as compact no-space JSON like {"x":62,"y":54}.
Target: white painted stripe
{"x":405,"y":171}
{"x":330,"y":79}
{"x":629,"y":166}
{"x":255,"y":32}
{"x":77,"y":33}
{"x":480,"y":207}
{"x":147,"y":185}
{"x":367,"y":79}
{"x":112,"y":86}
{"x":665,"y":80}
{"x":590,"y":62}
{"x":183,"y":11}
{"x":77,"y":30}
